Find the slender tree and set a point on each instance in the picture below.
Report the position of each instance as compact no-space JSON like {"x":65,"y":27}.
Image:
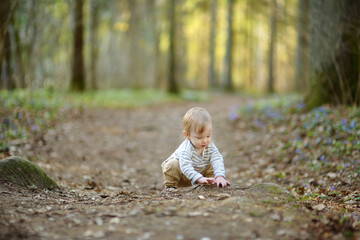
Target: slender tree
{"x":8,"y":70}
{"x":94,"y":46}
{"x":5,"y":16}
{"x":229,"y":46}
{"x":152,"y":37}
{"x":335,"y":55}
{"x":272,"y":46}
{"x":212,"y":83}
{"x":78,"y":72}
{"x":135,"y":34}
{"x":302,"y":51}
{"x":250,"y":42}
{"x":17,"y":53}
{"x":30,"y":45}
{"x":172,"y":83}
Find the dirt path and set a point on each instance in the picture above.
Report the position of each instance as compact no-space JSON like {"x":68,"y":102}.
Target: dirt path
{"x":125,"y":148}
{"x":108,"y":164}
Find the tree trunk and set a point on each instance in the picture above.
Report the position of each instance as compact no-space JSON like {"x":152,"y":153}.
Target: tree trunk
{"x":172,"y":83}
{"x":78,"y":74}
{"x":5,"y":15}
{"x":335,"y":55}
{"x":135,"y":65}
{"x":212,"y":82}
{"x":229,"y":53}
{"x":156,"y":55}
{"x":250,"y":45}
{"x":8,"y":76}
{"x":272,"y":46}
{"x":94,"y":45}
{"x":151,"y":37}
{"x":16,"y":43}
{"x":302,"y":52}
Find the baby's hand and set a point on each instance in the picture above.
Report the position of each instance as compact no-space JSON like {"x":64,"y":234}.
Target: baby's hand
{"x":221,"y":182}
{"x":205,"y":180}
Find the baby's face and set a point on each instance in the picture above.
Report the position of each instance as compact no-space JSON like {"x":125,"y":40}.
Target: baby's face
{"x":201,"y":140}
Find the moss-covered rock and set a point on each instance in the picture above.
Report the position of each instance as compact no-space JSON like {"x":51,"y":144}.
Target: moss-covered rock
{"x":269,"y":192}
{"x":25,"y":173}
{"x":269,"y":188}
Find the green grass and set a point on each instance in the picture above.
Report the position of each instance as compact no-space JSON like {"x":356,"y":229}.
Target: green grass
{"x":34,"y":100}
{"x":124,"y":98}
{"x":25,"y":113}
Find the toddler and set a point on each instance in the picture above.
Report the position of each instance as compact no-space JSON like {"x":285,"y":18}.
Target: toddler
{"x":196,"y":160}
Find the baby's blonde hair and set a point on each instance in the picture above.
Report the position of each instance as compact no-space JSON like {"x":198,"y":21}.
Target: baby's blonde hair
{"x":196,"y":119}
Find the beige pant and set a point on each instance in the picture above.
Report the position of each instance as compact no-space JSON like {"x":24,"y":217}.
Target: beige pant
{"x":173,"y":177}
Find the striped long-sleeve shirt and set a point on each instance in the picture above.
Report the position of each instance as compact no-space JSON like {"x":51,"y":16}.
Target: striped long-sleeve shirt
{"x":192,"y":164}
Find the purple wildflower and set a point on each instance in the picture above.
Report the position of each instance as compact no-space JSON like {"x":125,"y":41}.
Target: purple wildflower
{"x":233,"y":115}
{"x":300,"y":106}
{"x":343,"y":122}
{"x":317,"y":115}
{"x":34,"y":127}
{"x":258,"y":123}
{"x":352,"y":124}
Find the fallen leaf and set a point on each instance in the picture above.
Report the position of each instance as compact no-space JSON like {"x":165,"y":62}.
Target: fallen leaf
{"x":223,"y":196}
{"x":201,"y":197}
{"x":332,"y":175}
{"x":319,"y":207}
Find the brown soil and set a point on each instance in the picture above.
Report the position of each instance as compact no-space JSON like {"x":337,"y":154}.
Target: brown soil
{"x":107,"y":163}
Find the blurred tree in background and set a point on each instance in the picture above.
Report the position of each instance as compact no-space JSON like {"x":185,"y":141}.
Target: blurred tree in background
{"x":335,"y":52}
{"x":172,"y":82}
{"x":212,"y":45}
{"x":256,"y":46}
{"x":78,"y":71}
{"x":302,"y":71}
{"x":228,"y":63}
{"x":272,"y":45}
{"x":94,"y":42}
{"x":6,"y":12}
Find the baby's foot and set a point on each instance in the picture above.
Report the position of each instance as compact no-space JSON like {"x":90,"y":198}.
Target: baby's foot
{"x":171,"y":189}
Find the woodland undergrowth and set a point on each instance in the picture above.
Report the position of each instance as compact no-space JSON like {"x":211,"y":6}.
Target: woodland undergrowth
{"x":315,"y":154}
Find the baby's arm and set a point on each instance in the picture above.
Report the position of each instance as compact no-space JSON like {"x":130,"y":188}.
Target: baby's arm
{"x":217,"y":163}
{"x":187,"y":169}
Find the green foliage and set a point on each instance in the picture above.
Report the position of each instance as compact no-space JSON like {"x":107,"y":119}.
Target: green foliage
{"x":27,"y":113}
{"x":265,"y":112}
{"x":325,"y":138}
{"x":123,"y":98}
{"x":195,"y":95}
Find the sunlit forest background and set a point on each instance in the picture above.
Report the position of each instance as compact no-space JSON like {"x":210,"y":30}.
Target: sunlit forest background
{"x":237,"y":45}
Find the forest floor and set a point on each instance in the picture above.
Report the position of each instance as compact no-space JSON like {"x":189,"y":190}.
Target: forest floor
{"x":107,"y":163}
